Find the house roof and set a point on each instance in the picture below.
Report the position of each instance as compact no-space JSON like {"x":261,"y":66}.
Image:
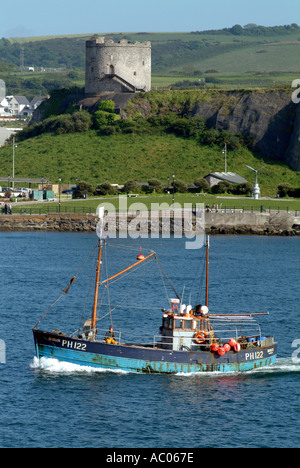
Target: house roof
{"x":22,"y":100}
{"x":228,"y":176}
{"x":36,"y":100}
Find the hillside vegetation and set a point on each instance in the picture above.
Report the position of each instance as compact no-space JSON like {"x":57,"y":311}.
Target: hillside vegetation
{"x":120,"y":157}
{"x":99,"y":146}
{"x":237,"y":56}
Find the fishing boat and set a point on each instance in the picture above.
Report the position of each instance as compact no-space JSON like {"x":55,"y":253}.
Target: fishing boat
{"x":191,"y":339}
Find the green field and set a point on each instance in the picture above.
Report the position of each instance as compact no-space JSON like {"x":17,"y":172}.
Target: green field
{"x":154,"y":201}
{"x":121,"y":157}
{"x":247,"y":58}
{"x":228,"y":80}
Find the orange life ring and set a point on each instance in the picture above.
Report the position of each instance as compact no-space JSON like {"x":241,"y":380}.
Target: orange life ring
{"x":200,"y":337}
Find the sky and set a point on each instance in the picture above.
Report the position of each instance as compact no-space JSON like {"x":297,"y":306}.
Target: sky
{"x":58,"y":17}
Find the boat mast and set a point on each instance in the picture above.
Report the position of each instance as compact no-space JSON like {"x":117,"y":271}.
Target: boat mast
{"x":207,"y":270}
{"x":94,"y":315}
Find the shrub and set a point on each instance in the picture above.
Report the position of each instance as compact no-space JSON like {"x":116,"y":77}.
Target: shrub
{"x":107,"y":106}
{"x":82,"y":190}
{"x":106,"y":189}
{"x":102,"y":119}
{"x":64,"y":123}
{"x":202,"y":184}
{"x":82,"y":121}
{"x":105,"y":115}
{"x":222,"y":187}
{"x":285,"y":190}
{"x":180,"y":186}
{"x":130,"y":186}
{"x":242,"y":189}
{"x":155,"y":185}
{"x":209,"y":137}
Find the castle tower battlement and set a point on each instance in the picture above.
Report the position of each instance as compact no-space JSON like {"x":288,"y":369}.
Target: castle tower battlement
{"x":117,"y":66}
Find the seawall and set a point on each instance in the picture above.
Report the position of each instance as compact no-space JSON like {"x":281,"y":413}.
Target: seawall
{"x":283,"y":224}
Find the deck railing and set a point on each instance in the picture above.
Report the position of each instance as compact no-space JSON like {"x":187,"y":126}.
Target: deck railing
{"x":224,"y":328}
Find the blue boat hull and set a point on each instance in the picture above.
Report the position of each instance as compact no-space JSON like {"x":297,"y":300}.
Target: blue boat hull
{"x":141,"y":359}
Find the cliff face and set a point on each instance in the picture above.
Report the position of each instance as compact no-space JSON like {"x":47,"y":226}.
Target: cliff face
{"x":269,"y":117}
{"x":293,"y":152}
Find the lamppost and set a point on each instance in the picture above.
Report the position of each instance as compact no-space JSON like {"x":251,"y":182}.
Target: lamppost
{"x":59,"y":180}
{"x":225,"y":153}
{"x":14,"y":146}
{"x":173,"y":175}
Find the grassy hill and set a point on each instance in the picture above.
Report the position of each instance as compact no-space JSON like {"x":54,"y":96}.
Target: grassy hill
{"x":121,"y":157}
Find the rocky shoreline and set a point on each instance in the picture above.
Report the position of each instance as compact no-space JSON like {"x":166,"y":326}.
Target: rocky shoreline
{"x":269,"y":224}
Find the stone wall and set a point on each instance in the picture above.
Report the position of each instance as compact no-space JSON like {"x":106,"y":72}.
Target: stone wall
{"x":48,"y":222}
{"x":215,"y":223}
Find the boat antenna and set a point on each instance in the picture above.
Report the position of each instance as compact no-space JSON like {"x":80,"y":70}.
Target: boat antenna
{"x":207,"y":271}
{"x":183,"y":289}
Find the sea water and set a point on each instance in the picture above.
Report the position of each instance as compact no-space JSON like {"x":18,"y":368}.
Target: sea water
{"x":48,"y":403}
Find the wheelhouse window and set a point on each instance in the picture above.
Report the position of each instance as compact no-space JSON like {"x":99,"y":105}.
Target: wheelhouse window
{"x":178,"y":324}
{"x":188,"y":324}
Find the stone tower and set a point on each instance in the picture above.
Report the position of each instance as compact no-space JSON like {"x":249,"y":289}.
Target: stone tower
{"x":117,"y":66}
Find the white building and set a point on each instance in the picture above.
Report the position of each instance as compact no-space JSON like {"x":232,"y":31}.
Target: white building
{"x":22,"y":103}
{"x":16,"y":104}
{"x":13,"y":106}
{"x":4,"y":111}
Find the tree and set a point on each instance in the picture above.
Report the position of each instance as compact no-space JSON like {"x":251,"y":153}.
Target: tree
{"x":202,"y":184}
{"x":82,"y":190}
{"x":237,"y":30}
{"x":285,"y":189}
{"x":244,"y":189}
{"x":155,"y":185}
{"x":130,"y":186}
{"x":180,"y":186}
{"x":106,"y":189}
{"x":222,"y":187}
